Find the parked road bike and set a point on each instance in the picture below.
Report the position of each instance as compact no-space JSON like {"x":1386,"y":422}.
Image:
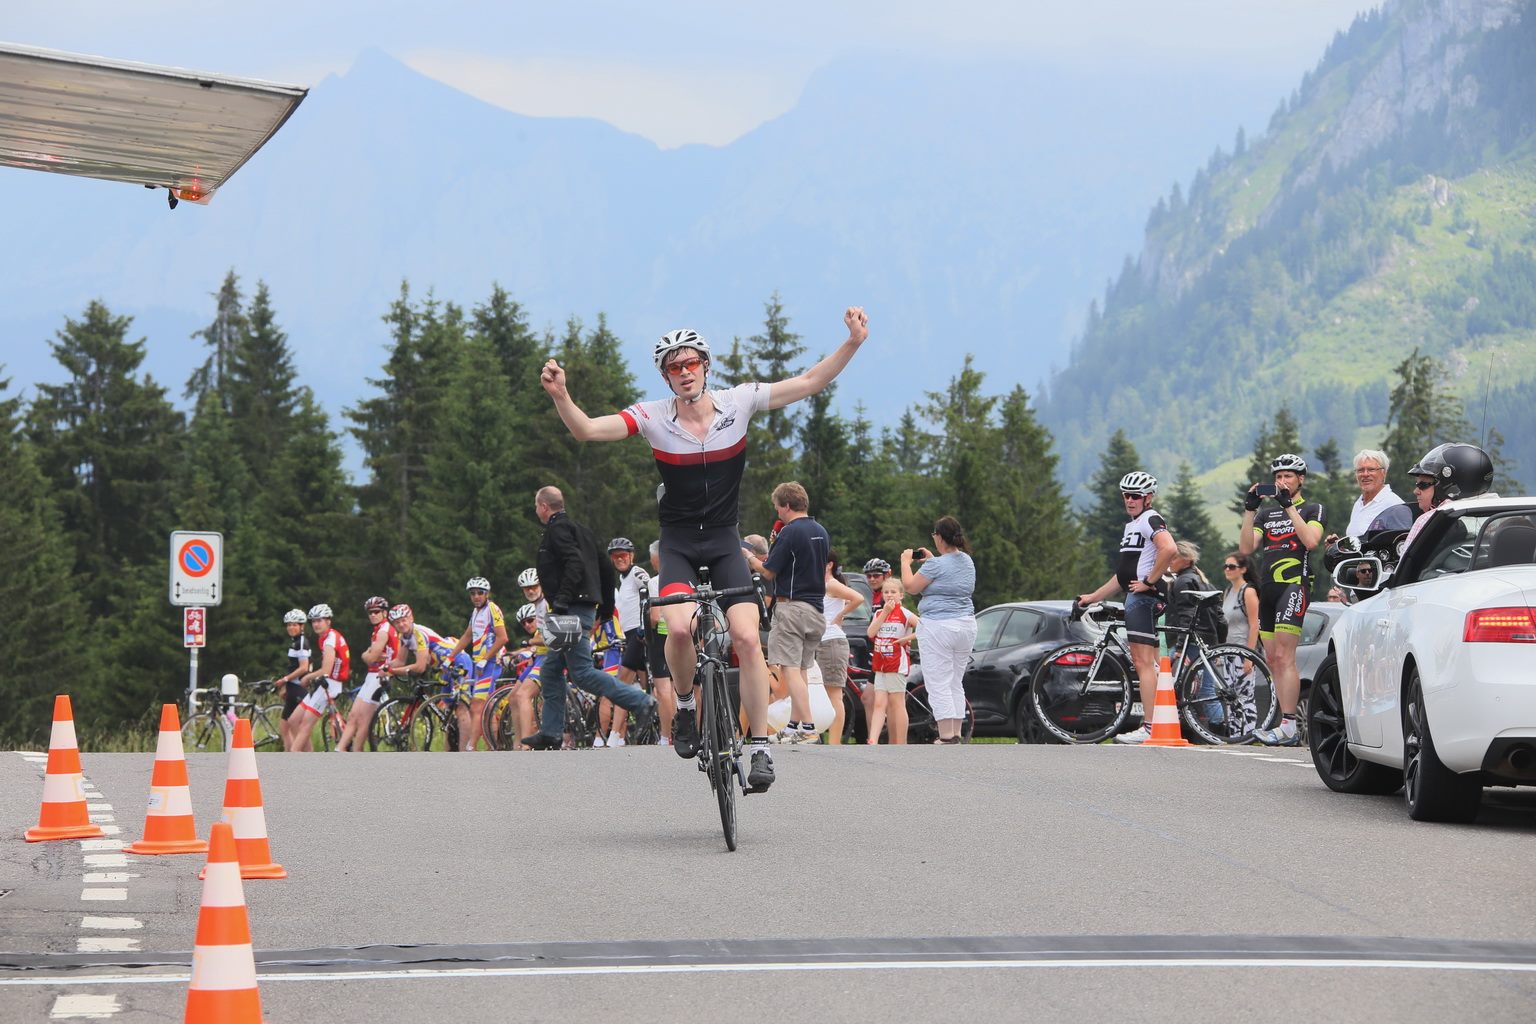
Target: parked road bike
{"x":720,"y":738}
{"x":407,"y":722}
{"x":208,"y":727}
{"x":1085,"y":692}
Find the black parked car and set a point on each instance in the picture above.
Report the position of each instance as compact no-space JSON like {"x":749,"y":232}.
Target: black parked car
{"x":1011,"y":639}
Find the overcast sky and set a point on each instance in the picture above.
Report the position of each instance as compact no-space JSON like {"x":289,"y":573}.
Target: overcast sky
{"x":675,"y":71}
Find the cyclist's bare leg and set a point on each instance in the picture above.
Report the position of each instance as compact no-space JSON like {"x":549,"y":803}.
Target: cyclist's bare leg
{"x":1280,"y":652}
{"x":604,"y":717}
{"x":666,"y":703}
{"x":680,"y":654}
{"x":1144,"y":657}
{"x":476,"y":713}
{"x":522,"y":708}
{"x":895,"y":715}
{"x":742,"y":619}
{"x":303,"y":723}
{"x":355,"y":733}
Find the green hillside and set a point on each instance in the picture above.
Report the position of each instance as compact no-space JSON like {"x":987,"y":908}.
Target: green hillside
{"x":1389,"y":206}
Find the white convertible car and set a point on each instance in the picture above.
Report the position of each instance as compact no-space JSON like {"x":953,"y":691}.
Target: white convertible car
{"x":1430,"y":683}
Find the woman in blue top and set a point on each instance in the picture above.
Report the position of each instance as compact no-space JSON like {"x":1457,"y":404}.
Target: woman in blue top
{"x":946,"y":629}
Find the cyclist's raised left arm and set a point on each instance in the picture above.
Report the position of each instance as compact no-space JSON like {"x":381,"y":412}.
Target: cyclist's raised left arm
{"x":814,"y":380}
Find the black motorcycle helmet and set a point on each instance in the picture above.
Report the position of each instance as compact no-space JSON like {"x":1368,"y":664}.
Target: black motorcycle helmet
{"x":1460,"y":470}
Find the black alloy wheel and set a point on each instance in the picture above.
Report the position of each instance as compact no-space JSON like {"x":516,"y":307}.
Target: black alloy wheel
{"x":1433,"y":791}
{"x":1340,"y":770}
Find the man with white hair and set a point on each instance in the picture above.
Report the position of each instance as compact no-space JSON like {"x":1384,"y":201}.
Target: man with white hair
{"x":1376,"y":495}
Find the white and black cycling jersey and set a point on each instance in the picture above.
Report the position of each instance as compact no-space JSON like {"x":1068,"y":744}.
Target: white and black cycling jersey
{"x":1138,"y":554}
{"x":628,"y":603}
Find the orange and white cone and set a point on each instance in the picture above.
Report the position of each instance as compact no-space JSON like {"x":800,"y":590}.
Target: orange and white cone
{"x":243,"y":810}
{"x":1166,"y":731}
{"x":223,"y":986}
{"x":168,"y":826}
{"x":63,"y":814}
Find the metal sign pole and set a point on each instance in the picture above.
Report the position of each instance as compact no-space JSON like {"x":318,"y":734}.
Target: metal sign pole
{"x":192,"y":685}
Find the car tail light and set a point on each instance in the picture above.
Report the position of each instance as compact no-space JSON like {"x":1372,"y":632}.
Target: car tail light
{"x":1077,"y":660}
{"x":1500,"y":626}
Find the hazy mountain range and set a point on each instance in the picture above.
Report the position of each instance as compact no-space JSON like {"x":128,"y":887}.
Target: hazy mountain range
{"x":970,"y":207}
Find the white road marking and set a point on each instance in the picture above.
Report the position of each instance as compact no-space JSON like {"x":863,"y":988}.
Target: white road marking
{"x":105,"y":944}
{"x":1103,"y":963}
{"x":107,"y":876}
{"x":106,"y":860}
{"x":92,"y":845}
{"x":113,"y":923}
{"x":98,"y":807}
{"x":99,"y":817}
{"x":84,"y":1007}
{"x":107,"y":895}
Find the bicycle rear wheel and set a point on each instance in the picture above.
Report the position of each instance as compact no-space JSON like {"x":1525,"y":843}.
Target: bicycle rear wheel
{"x":1225,"y":704}
{"x":435,"y":725}
{"x":388,"y":730}
{"x":1081,"y":693}
{"x":719,"y":750}
{"x":496,"y":719}
{"x":266,"y":727}
{"x":208,"y":733}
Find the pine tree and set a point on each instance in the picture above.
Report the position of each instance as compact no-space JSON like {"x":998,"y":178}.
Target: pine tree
{"x":1424,"y":411}
{"x":262,"y":387}
{"x":1184,"y":508}
{"x":1272,"y":439}
{"x":772,"y":356}
{"x":1104,"y":522}
{"x":224,"y":337}
{"x":108,"y":442}
{"x":826,"y":466}
{"x":1038,"y":532}
{"x":1504,"y":481}
{"x":39,"y":593}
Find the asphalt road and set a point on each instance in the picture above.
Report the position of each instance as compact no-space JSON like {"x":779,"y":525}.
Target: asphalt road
{"x":872,"y":883}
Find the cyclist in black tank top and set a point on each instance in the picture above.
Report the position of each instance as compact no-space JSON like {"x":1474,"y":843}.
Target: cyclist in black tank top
{"x":288,"y":685}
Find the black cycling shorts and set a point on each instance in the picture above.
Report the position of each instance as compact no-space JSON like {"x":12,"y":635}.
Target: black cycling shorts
{"x":684,"y":549}
{"x":634,"y":650}
{"x":293,"y":693}
{"x":1282,"y":607}
{"x":656,"y":655}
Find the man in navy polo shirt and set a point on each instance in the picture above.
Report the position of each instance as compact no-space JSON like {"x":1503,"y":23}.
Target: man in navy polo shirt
{"x":797,"y":564}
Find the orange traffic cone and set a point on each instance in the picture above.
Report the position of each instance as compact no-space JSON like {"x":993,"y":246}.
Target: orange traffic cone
{"x":223,"y":986}
{"x":243,"y":811}
{"x":63,"y":814}
{"x":1166,"y":731}
{"x":168,"y":826}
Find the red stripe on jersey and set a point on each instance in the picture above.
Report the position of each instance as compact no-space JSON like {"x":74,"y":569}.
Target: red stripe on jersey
{"x":698,"y":458}
{"x":629,"y":422}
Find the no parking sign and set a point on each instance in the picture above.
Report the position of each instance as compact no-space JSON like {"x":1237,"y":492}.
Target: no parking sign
{"x":197,"y":568}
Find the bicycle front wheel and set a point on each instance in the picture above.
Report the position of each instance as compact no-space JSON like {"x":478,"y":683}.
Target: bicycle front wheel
{"x":1081,"y":693}
{"x":388,"y":729}
{"x":496,"y":719}
{"x":719,"y":748}
{"x":208,"y":733}
{"x":1226,"y":695}
{"x":266,"y":727}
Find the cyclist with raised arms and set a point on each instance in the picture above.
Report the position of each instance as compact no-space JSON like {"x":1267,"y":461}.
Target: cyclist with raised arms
{"x":1284,"y":535}
{"x":1146,"y":551}
{"x":699,"y":438}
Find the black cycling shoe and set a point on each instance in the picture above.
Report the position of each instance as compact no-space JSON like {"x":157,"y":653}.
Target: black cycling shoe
{"x":685,"y":732}
{"x":539,"y":741}
{"x":760,"y":775}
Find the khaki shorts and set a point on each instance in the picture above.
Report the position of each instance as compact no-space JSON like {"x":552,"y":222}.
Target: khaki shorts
{"x":890,"y":682}
{"x":796,"y":633}
{"x":832,"y":656}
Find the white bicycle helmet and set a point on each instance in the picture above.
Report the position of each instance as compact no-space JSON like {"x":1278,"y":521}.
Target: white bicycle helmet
{"x":399,"y":612}
{"x":1288,"y":463}
{"x":293,"y":615}
{"x":478,"y":583}
{"x":621,"y":544}
{"x":1138,"y":483}
{"x":528,"y":578}
{"x":877,"y":565}
{"x":673,"y":340}
{"x":527,"y":611}
{"x":320,"y":611}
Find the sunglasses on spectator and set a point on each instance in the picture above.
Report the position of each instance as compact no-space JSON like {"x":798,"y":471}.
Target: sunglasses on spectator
{"x":682,"y":366}
{"x":1229,"y":565}
{"x":1423,"y":485}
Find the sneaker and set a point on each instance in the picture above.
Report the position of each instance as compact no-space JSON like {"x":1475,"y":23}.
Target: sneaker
{"x":795,"y":736}
{"x":664,"y":741}
{"x":1140,"y":735}
{"x":760,"y":775}
{"x":597,"y":743}
{"x":1286,"y":734}
{"x":615,"y":740}
{"x":685,"y":733}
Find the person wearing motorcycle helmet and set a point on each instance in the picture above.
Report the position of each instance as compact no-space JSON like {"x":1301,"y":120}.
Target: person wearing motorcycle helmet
{"x":1146,"y":551}
{"x":298,"y":664}
{"x":699,"y":510}
{"x":334,"y":671}
{"x":483,"y":638}
{"x":1444,"y":473}
{"x":1284,"y":535}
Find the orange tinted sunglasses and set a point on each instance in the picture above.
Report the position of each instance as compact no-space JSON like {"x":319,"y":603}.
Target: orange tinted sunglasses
{"x":682,"y":366}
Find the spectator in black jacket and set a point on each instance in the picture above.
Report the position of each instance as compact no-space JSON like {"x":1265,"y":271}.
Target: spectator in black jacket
{"x":579,"y":581}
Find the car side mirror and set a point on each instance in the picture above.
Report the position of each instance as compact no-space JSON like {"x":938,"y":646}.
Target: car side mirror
{"x":1359,"y":575}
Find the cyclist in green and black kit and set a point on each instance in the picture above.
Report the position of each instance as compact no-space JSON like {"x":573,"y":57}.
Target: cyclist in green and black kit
{"x":1284,"y":535}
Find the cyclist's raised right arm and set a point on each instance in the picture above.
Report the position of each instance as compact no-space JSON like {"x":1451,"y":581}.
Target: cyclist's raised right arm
{"x":582,"y":427}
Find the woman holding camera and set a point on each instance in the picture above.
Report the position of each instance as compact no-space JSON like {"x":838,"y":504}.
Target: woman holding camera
{"x":946,"y":629}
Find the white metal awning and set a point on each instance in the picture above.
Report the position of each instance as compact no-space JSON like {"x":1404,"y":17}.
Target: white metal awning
{"x":182,"y":130}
